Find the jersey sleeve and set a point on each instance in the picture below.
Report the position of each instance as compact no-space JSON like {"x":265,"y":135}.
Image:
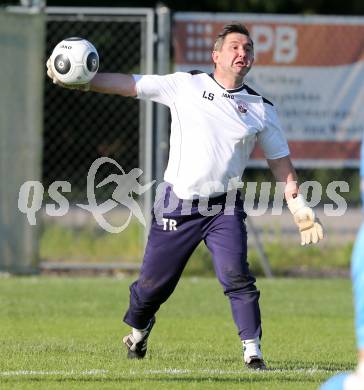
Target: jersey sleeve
{"x":272,"y":139}
{"x":159,"y":89}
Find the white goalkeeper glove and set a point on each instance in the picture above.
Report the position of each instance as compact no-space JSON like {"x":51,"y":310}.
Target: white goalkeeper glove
{"x":51,"y":75}
{"x":309,"y":226}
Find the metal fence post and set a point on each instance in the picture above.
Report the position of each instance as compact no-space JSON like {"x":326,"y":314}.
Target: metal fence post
{"x":21,"y":128}
{"x":162,"y":112}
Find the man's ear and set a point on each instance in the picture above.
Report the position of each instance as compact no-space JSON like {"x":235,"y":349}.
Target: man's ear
{"x":215,"y":56}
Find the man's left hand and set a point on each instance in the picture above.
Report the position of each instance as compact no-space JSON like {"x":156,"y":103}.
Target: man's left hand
{"x":309,"y":226}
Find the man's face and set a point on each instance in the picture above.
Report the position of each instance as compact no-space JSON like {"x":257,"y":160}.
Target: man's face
{"x":236,"y":55}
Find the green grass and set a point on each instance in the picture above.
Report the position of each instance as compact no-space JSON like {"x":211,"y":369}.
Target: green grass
{"x":285,"y":258}
{"x":64,"y":333}
{"x":94,"y":245}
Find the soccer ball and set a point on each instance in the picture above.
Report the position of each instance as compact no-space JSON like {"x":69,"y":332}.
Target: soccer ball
{"x":74,"y":61}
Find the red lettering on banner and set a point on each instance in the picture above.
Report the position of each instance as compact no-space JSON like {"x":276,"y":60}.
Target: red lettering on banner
{"x":324,"y":150}
{"x":276,"y":43}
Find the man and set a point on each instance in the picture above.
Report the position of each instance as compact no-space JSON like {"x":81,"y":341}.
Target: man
{"x":216,"y":120}
{"x":355,"y":380}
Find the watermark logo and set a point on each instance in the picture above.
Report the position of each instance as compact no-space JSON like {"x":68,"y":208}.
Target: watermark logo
{"x":31,"y":195}
{"x":257,"y":201}
{"x":127,"y":183}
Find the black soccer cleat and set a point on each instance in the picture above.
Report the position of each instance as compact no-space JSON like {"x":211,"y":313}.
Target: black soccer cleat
{"x":255,"y":363}
{"x":137,"y":350}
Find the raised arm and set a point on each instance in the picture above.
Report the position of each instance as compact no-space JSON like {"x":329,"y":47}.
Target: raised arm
{"x":309,"y":226}
{"x":110,"y":83}
{"x":114,"y":83}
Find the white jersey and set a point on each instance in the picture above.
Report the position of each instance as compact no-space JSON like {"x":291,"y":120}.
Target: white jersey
{"x":213,"y":130}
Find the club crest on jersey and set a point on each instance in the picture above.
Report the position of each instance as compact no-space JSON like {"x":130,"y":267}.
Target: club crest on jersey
{"x":242,"y":106}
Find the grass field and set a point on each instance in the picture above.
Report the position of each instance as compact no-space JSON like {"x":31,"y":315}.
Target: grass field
{"x":66,"y":245}
{"x":64,"y":333}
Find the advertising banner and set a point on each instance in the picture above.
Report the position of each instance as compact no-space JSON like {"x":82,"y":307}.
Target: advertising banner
{"x":310,"y":67}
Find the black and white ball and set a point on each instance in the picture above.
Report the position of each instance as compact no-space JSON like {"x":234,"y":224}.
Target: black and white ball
{"x":75,"y":61}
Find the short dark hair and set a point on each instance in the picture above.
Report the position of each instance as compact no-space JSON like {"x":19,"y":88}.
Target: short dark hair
{"x":228,"y":29}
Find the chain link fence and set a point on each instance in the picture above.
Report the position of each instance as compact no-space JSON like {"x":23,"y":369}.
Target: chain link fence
{"x":82,"y":127}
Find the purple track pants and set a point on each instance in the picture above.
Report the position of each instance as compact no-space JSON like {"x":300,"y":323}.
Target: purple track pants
{"x":171,"y":243}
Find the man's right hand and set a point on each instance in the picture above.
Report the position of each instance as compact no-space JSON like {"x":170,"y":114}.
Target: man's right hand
{"x":51,"y":75}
